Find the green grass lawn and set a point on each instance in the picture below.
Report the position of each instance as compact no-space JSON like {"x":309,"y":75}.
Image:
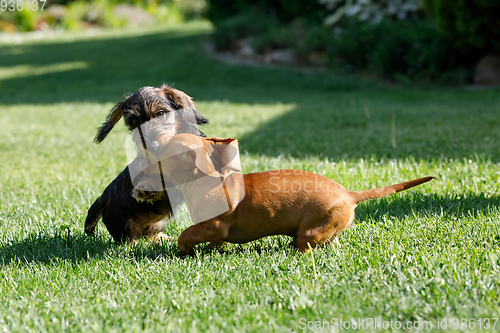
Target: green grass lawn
{"x":425,"y":254}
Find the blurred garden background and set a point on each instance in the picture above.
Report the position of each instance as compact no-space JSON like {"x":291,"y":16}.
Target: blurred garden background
{"x":367,"y":93}
{"x":443,"y":41}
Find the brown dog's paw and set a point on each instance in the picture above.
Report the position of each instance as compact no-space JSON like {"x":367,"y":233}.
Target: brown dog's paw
{"x":185,"y":250}
{"x":213,"y":245}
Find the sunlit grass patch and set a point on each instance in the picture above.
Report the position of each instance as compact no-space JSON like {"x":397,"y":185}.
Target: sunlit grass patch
{"x":427,"y":253}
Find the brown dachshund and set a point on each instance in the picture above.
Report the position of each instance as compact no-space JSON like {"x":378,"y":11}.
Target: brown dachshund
{"x":237,"y":208}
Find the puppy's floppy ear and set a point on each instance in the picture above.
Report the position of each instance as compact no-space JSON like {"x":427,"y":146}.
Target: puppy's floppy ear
{"x":189,"y":152}
{"x":227,"y":156}
{"x":183,"y":101}
{"x":179,"y":98}
{"x":114,"y":115}
{"x":223,"y":154}
{"x":204,"y":163}
{"x":230,"y":157}
{"x":197,"y":154}
{"x":200,"y":120}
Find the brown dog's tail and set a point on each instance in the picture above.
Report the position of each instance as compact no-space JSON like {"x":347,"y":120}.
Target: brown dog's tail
{"x":94,"y":215}
{"x":359,"y":196}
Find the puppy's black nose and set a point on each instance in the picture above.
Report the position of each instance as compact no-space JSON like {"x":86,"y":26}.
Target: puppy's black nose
{"x":154,"y":145}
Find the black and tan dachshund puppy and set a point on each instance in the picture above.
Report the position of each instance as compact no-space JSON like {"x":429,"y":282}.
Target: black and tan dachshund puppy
{"x":153,"y":115}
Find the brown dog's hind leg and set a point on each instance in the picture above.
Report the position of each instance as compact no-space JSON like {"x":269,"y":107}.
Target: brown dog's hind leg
{"x":209,"y":231}
{"x":213,"y":245}
{"x":309,"y":236}
{"x":304,"y":242}
{"x":324,"y":229}
{"x":315,"y":241}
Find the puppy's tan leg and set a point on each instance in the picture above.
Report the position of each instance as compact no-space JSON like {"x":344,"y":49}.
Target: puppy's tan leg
{"x":210,"y":231}
{"x":153,"y":232}
{"x":161,"y":238}
{"x":134,"y":233}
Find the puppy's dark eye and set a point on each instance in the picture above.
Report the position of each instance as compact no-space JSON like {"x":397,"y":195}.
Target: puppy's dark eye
{"x":160,"y":114}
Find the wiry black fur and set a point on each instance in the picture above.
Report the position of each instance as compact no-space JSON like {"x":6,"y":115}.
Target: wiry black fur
{"x":116,"y":206}
{"x":107,"y":126}
{"x":140,"y":108}
{"x":119,"y":210}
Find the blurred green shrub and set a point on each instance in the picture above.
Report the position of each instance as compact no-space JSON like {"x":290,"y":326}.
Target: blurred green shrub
{"x":174,"y":11}
{"x":185,"y":9}
{"x":399,"y":50}
{"x":389,"y":38}
{"x":166,"y":13}
{"x":302,"y":36}
{"x":371,"y":10}
{"x":191,"y":9}
{"x":229,"y":31}
{"x":82,"y":14}
{"x":282,"y":10}
{"x":24,"y":20}
{"x":473,"y":25}
{"x":268,"y":33}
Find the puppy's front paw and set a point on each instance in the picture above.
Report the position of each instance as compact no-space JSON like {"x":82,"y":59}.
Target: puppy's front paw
{"x":161,"y":239}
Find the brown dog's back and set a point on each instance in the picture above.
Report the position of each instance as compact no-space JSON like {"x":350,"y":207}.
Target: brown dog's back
{"x":244,"y":207}
{"x":308,"y":207}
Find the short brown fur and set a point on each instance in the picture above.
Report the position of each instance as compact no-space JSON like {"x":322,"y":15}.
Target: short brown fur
{"x":308,"y":207}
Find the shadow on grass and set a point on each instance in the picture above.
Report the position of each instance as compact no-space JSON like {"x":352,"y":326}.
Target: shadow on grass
{"x":268,"y":246}
{"x":105,"y":69}
{"x":334,"y":115}
{"x":52,"y":249}
{"x":452,"y":205}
